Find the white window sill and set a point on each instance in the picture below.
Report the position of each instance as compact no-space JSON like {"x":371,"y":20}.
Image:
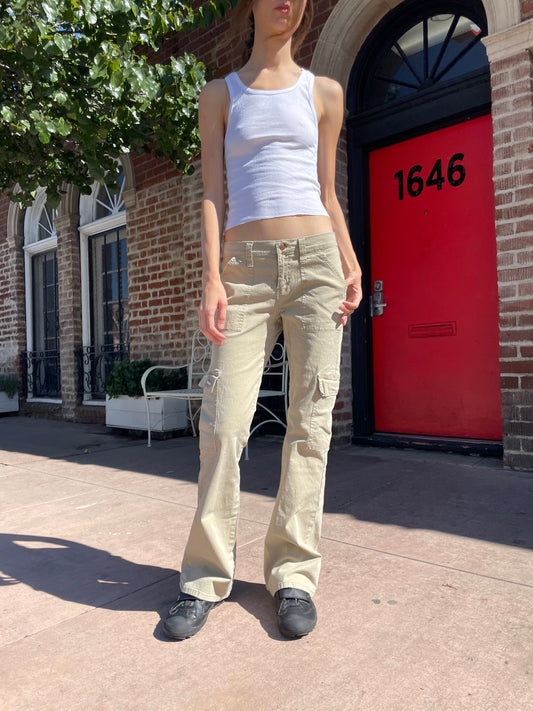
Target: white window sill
{"x":49,"y":400}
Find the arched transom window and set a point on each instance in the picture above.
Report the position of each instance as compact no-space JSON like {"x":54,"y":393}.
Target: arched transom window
{"x":441,"y":47}
{"x":108,"y":200}
{"x":46,"y":225}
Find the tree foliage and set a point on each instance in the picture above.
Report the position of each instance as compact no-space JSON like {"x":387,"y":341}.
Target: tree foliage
{"x":79,"y":85}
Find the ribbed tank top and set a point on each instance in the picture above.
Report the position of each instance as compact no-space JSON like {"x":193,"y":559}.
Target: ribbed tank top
{"x":271,"y":147}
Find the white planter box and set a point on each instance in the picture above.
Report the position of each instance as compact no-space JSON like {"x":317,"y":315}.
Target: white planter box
{"x":9,"y":404}
{"x":130,"y":412}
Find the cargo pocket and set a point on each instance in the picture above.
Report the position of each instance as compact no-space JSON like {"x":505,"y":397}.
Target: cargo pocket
{"x":234,"y":319}
{"x":327,"y":387}
{"x":209,"y":380}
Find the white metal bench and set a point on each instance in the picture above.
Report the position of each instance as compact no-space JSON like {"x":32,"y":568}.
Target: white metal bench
{"x":276,"y":373}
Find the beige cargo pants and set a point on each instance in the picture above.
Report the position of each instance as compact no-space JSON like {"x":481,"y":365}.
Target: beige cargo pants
{"x":296,"y":286}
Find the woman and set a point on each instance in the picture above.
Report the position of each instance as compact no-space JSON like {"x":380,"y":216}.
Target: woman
{"x":288,"y":264}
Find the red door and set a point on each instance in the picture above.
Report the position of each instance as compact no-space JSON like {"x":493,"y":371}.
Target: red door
{"x":433,"y":248}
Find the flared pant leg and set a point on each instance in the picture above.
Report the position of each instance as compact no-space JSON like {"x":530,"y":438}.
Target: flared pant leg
{"x":229,"y":402}
{"x":297,"y":284}
{"x":313,"y":338}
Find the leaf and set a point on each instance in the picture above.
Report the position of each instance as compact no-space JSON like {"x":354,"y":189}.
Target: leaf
{"x":63,"y":42}
{"x":50,"y":9}
{"x":63,"y":127}
{"x":28,"y":51}
{"x":60,"y":97}
{"x":8,"y":114}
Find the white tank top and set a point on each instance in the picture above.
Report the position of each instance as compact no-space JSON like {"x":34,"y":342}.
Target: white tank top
{"x":271,"y":147}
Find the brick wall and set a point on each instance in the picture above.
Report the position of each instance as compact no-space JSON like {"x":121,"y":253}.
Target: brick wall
{"x":512,"y":87}
{"x":69,"y":300}
{"x":526,"y":9}
{"x":156,"y":268}
{"x":12,"y":300}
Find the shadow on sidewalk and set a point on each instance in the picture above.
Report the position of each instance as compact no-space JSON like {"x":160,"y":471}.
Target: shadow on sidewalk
{"x":73,"y":571}
{"x":454,"y":494}
{"x":93,"y":577}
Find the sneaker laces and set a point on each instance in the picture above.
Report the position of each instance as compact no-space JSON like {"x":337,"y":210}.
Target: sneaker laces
{"x":180,"y":603}
{"x":292,"y":602}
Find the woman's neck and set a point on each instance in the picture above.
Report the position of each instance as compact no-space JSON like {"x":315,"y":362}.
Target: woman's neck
{"x":270,"y":66}
{"x":272,"y":54}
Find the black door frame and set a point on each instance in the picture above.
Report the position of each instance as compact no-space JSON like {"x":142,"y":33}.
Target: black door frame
{"x":429,"y":109}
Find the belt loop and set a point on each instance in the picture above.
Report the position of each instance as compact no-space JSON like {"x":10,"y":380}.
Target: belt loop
{"x":249,"y":254}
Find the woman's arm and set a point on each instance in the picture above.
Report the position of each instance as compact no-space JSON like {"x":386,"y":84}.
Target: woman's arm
{"x":212,"y":113}
{"x":330,"y":110}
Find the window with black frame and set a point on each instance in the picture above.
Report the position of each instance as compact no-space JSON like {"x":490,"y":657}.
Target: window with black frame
{"x":439,"y":48}
{"x":44,"y":365}
{"x":109,"y":302}
{"x":42,"y":360}
{"x":104,"y":282}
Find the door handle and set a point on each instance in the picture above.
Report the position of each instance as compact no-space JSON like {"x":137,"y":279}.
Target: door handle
{"x":377,"y":300}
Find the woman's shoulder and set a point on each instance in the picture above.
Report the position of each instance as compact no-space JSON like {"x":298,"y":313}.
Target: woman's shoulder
{"x":328,"y":89}
{"x":329,"y":99}
{"x":213,"y":88}
{"x":214,"y":93}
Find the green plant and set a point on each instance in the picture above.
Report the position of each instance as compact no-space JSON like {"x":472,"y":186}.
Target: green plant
{"x":9,"y":384}
{"x":125,"y":378}
{"x":80,"y":84}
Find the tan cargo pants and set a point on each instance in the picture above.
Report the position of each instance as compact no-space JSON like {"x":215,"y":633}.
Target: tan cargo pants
{"x":296,"y":286}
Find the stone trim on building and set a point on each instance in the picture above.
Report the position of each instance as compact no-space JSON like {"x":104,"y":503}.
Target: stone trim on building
{"x":511,"y":66}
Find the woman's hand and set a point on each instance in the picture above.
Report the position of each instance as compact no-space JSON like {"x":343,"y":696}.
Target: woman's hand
{"x":354,"y":294}
{"x":214,"y":300}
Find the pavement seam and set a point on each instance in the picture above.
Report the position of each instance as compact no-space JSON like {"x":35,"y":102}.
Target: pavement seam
{"x":427,"y":562}
{"x":40,"y":503}
{"x":396,"y":555}
{"x":36,"y":458}
{"x":103,"y":486}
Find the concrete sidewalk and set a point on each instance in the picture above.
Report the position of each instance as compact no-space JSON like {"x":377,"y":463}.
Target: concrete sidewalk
{"x":425,"y":600}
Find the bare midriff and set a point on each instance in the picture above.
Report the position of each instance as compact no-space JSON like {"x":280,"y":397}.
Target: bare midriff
{"x":277,"y":228}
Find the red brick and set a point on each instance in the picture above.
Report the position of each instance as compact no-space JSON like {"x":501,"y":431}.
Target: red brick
{"x":526,"y":351}
{"x":518,"y":461}
{"x":523,"y":335}
{"x":515,"y":367}
{"x":525,"y":320}
{"x":526,"y":9}
{"x":517,"y":305}
{"x":509,"y":383}
{"x":518,"y":274}
{"x":508,"y":351}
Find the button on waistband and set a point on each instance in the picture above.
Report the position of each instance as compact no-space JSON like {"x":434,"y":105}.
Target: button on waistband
{"x":282,"y":246}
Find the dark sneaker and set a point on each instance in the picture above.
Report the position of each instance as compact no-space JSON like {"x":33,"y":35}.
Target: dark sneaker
{"x":296,"y":612}
{"x":187,"y":616}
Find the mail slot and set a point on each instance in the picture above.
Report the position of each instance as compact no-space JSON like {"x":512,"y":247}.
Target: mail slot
{"x":431,"y":330}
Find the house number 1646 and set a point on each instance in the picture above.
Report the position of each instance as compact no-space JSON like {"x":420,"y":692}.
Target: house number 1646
{"x":455,"y":174}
